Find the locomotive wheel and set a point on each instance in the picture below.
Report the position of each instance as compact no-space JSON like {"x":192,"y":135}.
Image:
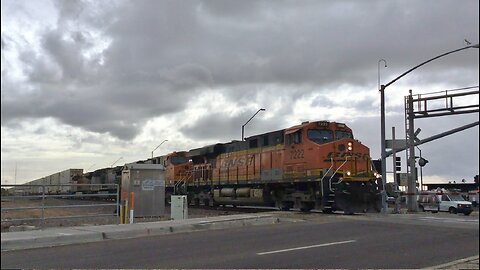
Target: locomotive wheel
{"x":197,"y":202}
{"x":327,"y":210}
{"x":206,"y":202}
{"x":284,"y":206}
{"x":306,"y":206}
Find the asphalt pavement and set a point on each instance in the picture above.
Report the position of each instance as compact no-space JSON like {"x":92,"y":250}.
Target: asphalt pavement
{"x":32,"y":239}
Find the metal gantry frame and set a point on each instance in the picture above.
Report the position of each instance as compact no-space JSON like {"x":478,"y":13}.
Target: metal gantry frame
{"x":419,"y":106}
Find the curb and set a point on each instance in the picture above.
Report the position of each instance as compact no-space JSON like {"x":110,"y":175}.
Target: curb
{"x":126,"y":231}
{"x":31,"y":239}
{"x":76,"y":235}
{"x":450,"y":265}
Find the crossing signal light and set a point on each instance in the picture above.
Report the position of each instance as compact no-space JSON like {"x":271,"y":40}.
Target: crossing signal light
{"x":398,"y":164}
{"x":422,"y":162}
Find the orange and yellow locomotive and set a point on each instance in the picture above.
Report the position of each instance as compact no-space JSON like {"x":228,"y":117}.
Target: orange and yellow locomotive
{"x":315,"y":165}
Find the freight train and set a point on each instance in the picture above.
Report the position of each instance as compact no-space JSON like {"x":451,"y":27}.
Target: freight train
{"x":74,"y":181}
{"x":315,"y":165}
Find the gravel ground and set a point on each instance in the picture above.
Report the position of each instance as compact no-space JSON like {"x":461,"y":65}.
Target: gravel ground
{"x":95,"y":208}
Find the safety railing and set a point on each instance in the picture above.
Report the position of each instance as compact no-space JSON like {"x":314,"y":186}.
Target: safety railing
{"x":23,"y":204}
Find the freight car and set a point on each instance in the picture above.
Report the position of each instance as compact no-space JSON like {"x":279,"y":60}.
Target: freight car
{"x":314,"y":165}
{"x":57,"y":183}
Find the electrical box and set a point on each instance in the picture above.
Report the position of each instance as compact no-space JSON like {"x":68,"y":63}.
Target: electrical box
{"x":147,"y":183}
{"x":179,"y":207}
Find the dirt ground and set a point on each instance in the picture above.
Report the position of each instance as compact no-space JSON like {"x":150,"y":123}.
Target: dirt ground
{"x":70,"y":216}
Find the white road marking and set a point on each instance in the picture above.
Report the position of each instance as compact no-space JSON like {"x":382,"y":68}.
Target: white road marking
{"x":65,"y":233}
{"x":444,"y":219}
{"x":306,"y":247}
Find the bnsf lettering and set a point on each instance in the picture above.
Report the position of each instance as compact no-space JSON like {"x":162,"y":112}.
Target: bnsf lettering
{"x":236,"y":162}
{"x":296,"y":154}
{"x":345,"y":154}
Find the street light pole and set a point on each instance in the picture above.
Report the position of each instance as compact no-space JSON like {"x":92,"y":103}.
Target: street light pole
{"x":158,"y":146}
{"x":90,"y":167}
{"x":379,"y":61}
{"x":115,"y":162}
{"x":382,"y":128}
{"x":243,"y":126}
{"x":412,"y":207}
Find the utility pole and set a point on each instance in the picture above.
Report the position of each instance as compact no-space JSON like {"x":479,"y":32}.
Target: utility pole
{"x":412,"y":203}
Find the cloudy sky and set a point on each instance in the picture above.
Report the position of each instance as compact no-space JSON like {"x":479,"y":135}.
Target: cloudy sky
{"x":87,"y":83}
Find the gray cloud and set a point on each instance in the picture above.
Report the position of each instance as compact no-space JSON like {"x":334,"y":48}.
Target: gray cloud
{"x":160,"y":55}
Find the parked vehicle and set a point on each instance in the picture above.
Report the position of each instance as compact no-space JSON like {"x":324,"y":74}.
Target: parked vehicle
{"x":429,"y":202}
{"x":455,"y":203}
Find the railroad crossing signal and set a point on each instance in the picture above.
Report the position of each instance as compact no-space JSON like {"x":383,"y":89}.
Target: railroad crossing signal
{"x":422,"y":162}
{"x":398,"y":164}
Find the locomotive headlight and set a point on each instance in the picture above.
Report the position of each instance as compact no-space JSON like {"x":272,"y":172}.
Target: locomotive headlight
{"x":350,"y":146}
{"x":349,"y":173}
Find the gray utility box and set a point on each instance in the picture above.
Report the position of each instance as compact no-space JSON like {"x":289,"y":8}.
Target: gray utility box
{"x":147,"y":182}
{"x":179,"y":207}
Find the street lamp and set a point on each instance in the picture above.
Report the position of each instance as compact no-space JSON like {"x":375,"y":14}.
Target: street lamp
{"x":379,"y":61}
{"x":384,"y":177}
{"x":412,"y":206}
{"x":158,"y":146}
{"x":115,"y":162}
{"x":243,"y":127}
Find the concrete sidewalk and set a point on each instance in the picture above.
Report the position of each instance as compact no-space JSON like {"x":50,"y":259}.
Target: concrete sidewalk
{"x":467,"y":263}
{"x":85,"y":234}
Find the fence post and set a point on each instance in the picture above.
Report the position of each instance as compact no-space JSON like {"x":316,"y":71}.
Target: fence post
{"x":132,"y":207}
{"x":121,"y":215}
{"x":118,"y":207}
{"x":126,"y":210}
{"x":43,"y":206}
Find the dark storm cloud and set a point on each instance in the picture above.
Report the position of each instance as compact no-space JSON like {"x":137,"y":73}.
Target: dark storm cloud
{"x":160,"y":54}
{"x":225,"y":128}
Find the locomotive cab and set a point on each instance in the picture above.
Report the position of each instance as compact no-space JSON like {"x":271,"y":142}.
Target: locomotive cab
{"x":328,"y":153}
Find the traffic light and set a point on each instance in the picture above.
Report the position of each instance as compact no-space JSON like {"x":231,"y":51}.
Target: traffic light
{"x":398,"y":164}
{"x":475,"y":179}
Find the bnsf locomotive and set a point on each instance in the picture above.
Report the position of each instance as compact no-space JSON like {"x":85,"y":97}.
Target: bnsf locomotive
{"x":315,"y":165}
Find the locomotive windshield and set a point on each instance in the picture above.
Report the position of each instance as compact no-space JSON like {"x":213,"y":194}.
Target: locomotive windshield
{"x":178,"y":160}
{"x":320,"y":136}
{"x":343,"y":135}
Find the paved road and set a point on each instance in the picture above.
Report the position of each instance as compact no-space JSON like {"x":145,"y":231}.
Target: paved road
{"x":306,"y":241}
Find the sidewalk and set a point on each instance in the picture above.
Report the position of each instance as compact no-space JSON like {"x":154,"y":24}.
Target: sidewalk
{"x":467,"y":263}
{"x":85,"y":234}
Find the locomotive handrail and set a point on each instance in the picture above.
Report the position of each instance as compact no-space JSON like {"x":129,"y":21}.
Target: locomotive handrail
{"x":339,"y":167}
{"x":182,"y":181}
{"x":321,"y":180}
